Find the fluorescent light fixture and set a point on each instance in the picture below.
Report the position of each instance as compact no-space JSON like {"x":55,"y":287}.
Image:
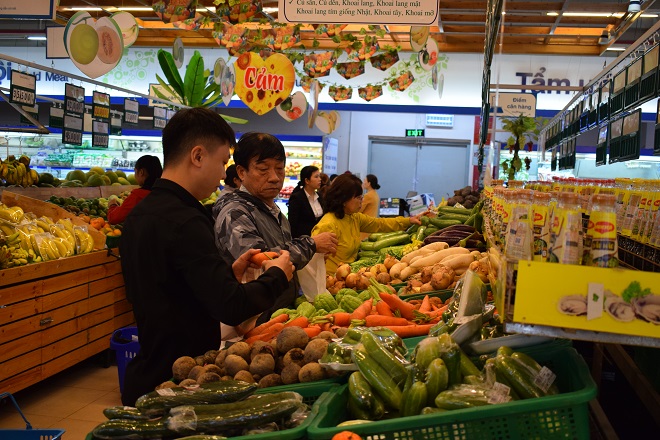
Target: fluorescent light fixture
{"x":595,"y":14}
{"x":552,"y":14}
{"x":36,"y":38}
{"x":269,"y":10}
{"x":86,"y":8}
{"x":616,"y":49}
{"x":135,"y":9}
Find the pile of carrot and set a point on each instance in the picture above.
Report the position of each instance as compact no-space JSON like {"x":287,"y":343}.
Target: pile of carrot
{"x":406,"y":319}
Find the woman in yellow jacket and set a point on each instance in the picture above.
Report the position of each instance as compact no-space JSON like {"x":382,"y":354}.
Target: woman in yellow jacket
{"x":370,"y":200}
{"x":343,"y":217}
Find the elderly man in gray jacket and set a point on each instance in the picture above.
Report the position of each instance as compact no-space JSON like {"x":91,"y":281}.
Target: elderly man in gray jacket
{"x":249,"y":218}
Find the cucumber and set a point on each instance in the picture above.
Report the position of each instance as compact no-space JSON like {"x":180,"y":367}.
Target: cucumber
{"x":437,"y":379}
{"x":442,"y":210}
{"x":378,"y":378}
{"x":442,"y":223}
{"x":431,"y":410}
{"x":533,"y":367}
{"x":421,"y":232}
{"x":462,"y":218}
{"x":135,"y":429}
{"x":155,"y":403}
{"x":124,"y":412}
{"x":415,"y":400}
{"x":452,"y":358}
{"x":355,"y":410}
{"x":499,"y":377}
{"x":424,"y":220}
{"x":430,"y":230}
{"x":451,"y":399}
{"x":361,"y":392}
{"x":467,"y":367}
{"x":412,"y":229}
{"x":375,"y":236}
{"x":519,"y":380}
{"x":504,"y":351}
{"x":254,"y":411}
{"x":384,"y":358}
{"x":393,"y":240}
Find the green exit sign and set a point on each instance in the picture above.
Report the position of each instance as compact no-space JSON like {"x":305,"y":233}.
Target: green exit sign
{"x":414,"y":132}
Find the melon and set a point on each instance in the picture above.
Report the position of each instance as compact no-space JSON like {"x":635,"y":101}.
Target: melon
{"x":123,"y":181}
{"x":113,"y":176}
{"x":76,"y":175}
{"x":95,"y":180}
{"x":106,"y":180}
{"x":120,"y":173}
{"x":98,"y":170}
{"x":131,"y":178}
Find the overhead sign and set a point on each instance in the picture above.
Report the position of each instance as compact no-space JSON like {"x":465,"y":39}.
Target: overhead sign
{"x":401,"y":12}
{"x":414,"y":132}
{"x":34,"y":9}
{"x":515,"y":104}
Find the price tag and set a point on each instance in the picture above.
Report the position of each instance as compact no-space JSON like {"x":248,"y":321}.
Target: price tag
{"x":499,"y":393}
{"x":545,"y":379}
{"x":22,"y":88}
{"x":595,"y":299}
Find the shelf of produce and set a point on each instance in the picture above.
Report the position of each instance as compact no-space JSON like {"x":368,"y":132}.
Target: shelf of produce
{"x":89,"y":192}
{"x":58,"y":313}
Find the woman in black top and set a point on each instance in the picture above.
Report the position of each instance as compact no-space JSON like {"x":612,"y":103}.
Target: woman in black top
{"x":305,"y":203}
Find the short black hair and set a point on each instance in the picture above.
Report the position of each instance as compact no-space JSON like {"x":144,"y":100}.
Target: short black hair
{"x":343,"y":189}
{"x":260,"y":145}
{"x":231,"y":175}
{"x":153,"y":167}
{"x":193,"y":126}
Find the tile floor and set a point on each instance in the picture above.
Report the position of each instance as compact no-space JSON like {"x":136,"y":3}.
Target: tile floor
{"x":72,"y":400}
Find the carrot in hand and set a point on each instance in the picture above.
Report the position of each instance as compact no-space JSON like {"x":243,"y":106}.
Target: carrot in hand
{"x":363,"y":311}
{"x":383,"y":309}
{"x":267,"y":335}
{"x":397,"y":303}
{"x":300,"y":321}
{"x":266,"y":325}
{"x":259,"y":258}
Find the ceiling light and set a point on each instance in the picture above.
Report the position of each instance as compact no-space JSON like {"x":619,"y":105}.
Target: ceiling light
{"x":36,"y":38}
{"x":135,"y":9}
{"x":269,"y":10}
{"x":616,"y":49}
{"x":552,"y":14}
{"x":86,"y":8}
{"x":649,"y":16}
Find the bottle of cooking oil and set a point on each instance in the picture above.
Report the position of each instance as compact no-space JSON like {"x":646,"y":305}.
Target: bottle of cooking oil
{"x":541,"y":221}
{"x":566,"y":236}
{"x":601,"y":233}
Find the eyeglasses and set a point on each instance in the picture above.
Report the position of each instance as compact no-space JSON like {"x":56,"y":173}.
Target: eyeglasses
{"x":358,"y":197}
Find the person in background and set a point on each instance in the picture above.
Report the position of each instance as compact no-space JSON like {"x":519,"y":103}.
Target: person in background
{"x":332,"y":177}
{"x":232,"y":181}
{"x":371,"y":201}
{"x":249,"y":218}
{"x":343,"y":217}
{"x":179,"y":286}
{"x":325,"y":181}
{"x":305,"y":203}
{"x":147,"y":170}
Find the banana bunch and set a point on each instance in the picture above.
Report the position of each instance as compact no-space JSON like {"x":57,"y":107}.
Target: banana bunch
{"x":84,"y":240}
{"x":67,"y":238}
{"x":18,"y":172}
{"x":419,"y":34}
{"x":12,"y":253}
{"x":51,"y":247}
{"x":12,"y":214}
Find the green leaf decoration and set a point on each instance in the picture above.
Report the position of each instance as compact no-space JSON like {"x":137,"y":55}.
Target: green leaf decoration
{"x":169,"y":89}
{"x":168,"y":67}
{"x":211,"y":89}
{"x":160,"y":95}
{"x":193,"y":84}
{"x":234,"y":120}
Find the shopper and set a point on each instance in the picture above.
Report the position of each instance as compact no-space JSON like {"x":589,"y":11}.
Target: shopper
{"x":248,"y":218}
{"x":305,"y":209}
{"x":232,"y":181}
{"x":178,"y":284}
{"x":343,"y":217}
{"x":147,"y":170}
{"x":371,"y":201}
{"x":325,"y":181}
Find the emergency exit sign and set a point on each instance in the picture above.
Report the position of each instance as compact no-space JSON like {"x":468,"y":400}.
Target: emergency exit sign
{"x":414,"y":132}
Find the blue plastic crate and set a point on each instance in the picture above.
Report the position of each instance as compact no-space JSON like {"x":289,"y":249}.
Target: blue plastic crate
{"x":125,"y":344}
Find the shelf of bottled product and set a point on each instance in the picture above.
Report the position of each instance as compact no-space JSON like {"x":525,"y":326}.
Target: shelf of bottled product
{"x":633,"y":254}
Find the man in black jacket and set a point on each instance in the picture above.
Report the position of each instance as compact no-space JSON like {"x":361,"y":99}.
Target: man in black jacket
{"x":178,"y":284}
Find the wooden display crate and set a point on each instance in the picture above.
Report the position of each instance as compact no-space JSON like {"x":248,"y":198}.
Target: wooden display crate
{"x":58,"y":313}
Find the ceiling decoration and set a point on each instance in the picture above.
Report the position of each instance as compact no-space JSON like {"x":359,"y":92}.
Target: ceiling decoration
{"x":568,"y":27}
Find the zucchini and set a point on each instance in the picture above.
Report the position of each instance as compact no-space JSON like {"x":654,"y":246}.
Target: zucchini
{"x":368,"y":405}
{"x":412,"y":229}
{"x":467,"y":367}
{"x":462,"y":218}
{"x":124,"y":412}
{"x":378,"y":378}
{"x":158,"y":402}
{"x":437,"y":379}
{"x":430,"y":230}
{"x":442,"y":223}
{"x":431,"y":410}
{"x":254,"y":411}
{"x":138,"y":429}
{"x":384,"y":358}
{"x":452,"y":358}
{"x":393,"y":240}
{"x":459,"y":399}
{"x":421,"y":232}
{"x":375,"y":236}
{"x":367,"y":254}
{"x":499,"y":377}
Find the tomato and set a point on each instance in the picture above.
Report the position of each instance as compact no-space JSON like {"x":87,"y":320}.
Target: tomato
{"x":433,"y":57}
{"x":294,"y":113}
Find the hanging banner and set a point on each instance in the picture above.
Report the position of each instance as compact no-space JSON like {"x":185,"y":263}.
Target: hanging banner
{"x":131,"y":111}
{"x":56,"y":117}
{"x":100,"y":138}
{"x":101,"y":106}
{"x":419,"y":12}
{"x":22,"y":88}
{"x":263,"y":84}
{"x":74,"y":100}
{"x":160,"y":117}
{"x":73,"y":129}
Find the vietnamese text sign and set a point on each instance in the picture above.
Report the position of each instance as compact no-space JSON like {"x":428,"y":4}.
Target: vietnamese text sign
{"x":515,"y":104}
{"x":330,"y":150}
{"x":562,"y":295}
{"x":402,"y":12}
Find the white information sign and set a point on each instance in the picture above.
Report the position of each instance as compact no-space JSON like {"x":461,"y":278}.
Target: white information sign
{"x":35,"y":9}
{"x":330,"y":150}
{"x":401,"y":12}
{"x":515,"y":104}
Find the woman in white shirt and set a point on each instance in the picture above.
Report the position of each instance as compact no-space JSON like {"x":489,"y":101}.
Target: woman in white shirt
{"x":305,"y":203}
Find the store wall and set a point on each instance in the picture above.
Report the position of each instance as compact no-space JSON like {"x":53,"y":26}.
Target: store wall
{"x":365,"y":124}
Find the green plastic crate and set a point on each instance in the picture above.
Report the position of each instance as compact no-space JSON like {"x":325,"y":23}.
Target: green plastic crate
{"x":314,"y":394}
{"x":561,"y":416}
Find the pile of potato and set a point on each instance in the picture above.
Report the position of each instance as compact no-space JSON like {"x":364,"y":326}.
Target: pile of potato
{"x":290,"y":358}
